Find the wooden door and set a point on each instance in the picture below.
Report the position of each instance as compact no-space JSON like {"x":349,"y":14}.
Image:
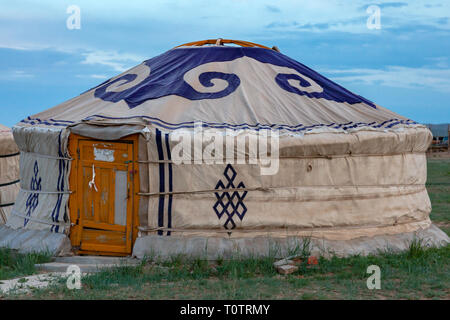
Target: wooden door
{"x":103,"y":201}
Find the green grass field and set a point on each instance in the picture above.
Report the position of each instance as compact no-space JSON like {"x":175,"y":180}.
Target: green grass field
{"x":416,"y":274}
{"x":438,"y":186}
{"x":13,"y":264}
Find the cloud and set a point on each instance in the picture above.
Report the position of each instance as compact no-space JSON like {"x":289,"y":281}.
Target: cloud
{"x":384,"y":5}
{"x":433,"y":5}
{"x":347,"y":17}
{"x":117,"y":61}
{"x":311,"y":26}
{"x":444,"y":20}
{"x":395,"y":76}
{"x":273,"y":9}
{"x":440,"y":62}
{"x":353,"y":25}
{"x":279,"y":24}
{"x":298,"y":26}
{"x":14,"y":47}
{"x":21,"y":74}
{"x":93,"y":76}
{"x":98,"y":76}
{"x":15,"y":75}
{"x":392,"y":4}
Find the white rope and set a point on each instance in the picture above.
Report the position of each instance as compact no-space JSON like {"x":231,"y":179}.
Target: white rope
{"x":47,"y":192}
{"x":63,"y":224}
{"x":46,"y":156}
{"x":92,"y":182}
{"x":328,"y":157}
{"x":416,"y":188}
{"x":297,"y":229}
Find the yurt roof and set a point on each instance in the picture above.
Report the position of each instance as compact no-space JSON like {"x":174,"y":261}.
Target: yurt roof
{"x":4,"y":129}
{"x":224,"y":87}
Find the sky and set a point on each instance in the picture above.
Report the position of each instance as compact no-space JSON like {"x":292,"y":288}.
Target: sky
{"x":403,"y":65}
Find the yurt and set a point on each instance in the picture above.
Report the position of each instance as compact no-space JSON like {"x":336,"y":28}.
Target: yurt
{"x":9,"y":172}
{"x":217,"y":147}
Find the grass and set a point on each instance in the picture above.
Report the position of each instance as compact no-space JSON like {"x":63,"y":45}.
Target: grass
{"x":438,"y":186}
{"x":14,"y":264}
{"x":418,"y":273}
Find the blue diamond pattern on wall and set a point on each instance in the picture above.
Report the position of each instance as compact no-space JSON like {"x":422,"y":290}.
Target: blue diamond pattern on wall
{"x":33,"y":198}
{"x":230,"y":203}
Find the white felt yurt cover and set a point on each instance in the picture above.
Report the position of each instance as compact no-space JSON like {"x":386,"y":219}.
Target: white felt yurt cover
{"x":9,"y":172}
{"x":347,"y":166}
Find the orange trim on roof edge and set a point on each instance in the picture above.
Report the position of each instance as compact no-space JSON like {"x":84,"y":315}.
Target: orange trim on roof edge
{"x":220,"y":41}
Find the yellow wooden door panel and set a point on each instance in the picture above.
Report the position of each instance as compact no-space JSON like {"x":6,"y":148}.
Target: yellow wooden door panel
{"x":88,"y":197}
{"x":104,"y":237}
{"x":104,"y":226}
{"x":97,"y":248}
{"x":105,"y":196}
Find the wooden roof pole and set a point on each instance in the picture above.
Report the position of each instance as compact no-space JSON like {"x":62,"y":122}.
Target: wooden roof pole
{"x":220,"y":41}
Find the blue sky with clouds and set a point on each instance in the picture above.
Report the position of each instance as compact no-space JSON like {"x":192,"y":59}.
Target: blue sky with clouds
{"x":404,"y":66}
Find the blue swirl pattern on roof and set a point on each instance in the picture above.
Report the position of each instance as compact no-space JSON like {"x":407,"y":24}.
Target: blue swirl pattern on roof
{"x":169,"y":68}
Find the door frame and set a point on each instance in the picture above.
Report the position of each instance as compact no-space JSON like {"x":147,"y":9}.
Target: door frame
{"x":75,"y":205}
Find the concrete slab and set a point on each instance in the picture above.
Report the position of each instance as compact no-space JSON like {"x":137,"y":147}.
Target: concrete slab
{"x":96,"y":260}
{"x":87,"y":264}
{"x":163,"y":247}
{"x":26,"y":241}
{"x":63,"y":267}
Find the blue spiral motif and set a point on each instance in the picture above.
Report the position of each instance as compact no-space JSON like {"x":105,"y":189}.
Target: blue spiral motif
{"x":282,"y":80}
{"x":33,"y":198}
{"x":167,"y":78}
{"x":167,"y":73}
{"x":205,"y":79}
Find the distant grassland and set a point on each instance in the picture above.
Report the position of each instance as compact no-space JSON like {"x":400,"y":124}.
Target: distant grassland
{"x":438,"y":186}
{"x":418,"y":273}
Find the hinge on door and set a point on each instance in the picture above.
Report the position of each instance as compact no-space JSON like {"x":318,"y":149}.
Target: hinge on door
{"x":78,"y":216}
